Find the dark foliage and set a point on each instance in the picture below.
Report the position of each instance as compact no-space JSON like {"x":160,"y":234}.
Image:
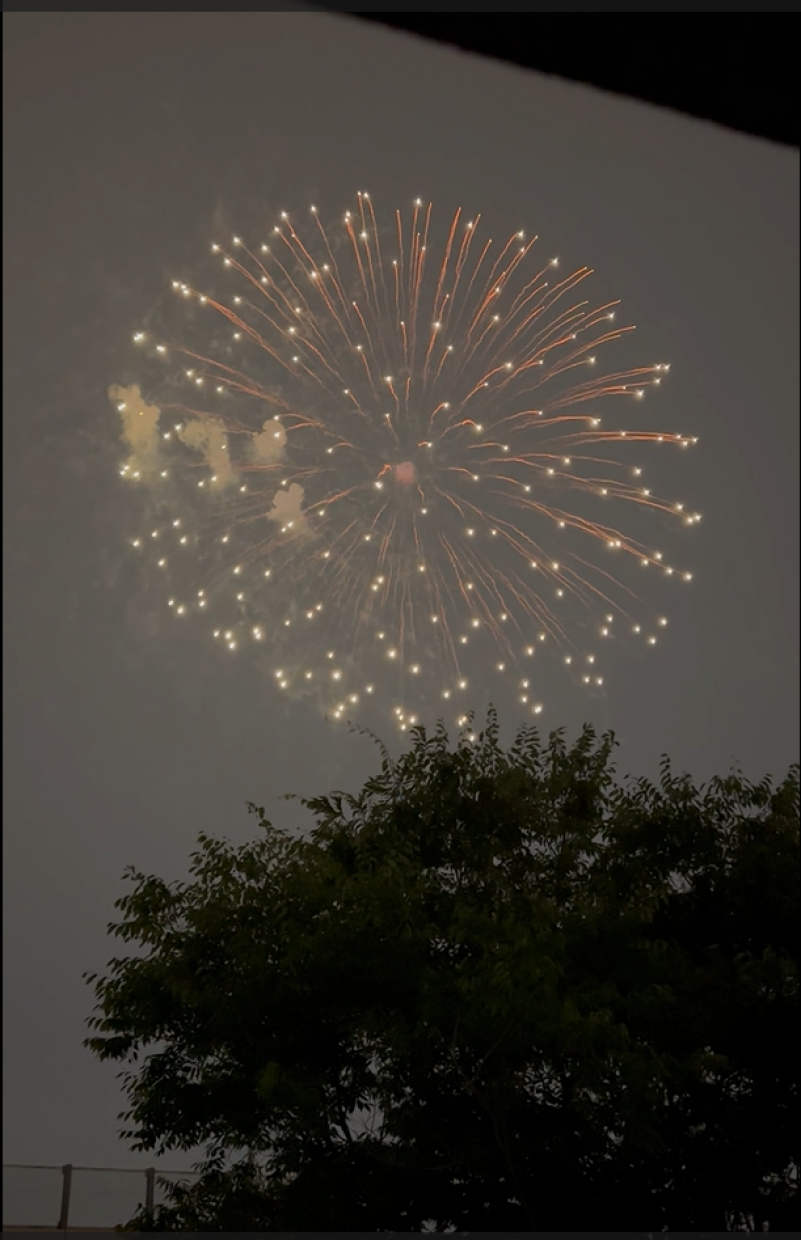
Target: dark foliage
{"x":496,"y":990}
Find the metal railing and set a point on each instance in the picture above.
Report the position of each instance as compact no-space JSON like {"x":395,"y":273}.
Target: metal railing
{"x":51,"y":1197}
{"x":40,"y":1197}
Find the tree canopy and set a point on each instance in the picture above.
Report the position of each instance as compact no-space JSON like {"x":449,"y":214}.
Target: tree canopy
{"x":496,"y":989}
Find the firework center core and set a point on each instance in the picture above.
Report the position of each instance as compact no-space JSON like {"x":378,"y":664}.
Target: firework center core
{"x":405,"y":474}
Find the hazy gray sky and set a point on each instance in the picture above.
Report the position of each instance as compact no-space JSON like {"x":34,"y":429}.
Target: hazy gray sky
{"x":129,"y":139}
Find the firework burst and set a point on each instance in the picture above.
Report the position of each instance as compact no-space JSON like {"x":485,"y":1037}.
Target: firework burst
{"x":384,"y":462}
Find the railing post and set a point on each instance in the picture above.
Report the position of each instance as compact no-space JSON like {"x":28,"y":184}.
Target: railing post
{"x":150,"y":1191}
{"x":66,"y":1188}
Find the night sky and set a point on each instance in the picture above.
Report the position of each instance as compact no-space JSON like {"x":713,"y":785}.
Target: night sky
{"x":131,"y":141}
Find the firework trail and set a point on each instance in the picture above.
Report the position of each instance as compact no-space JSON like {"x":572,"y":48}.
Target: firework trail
{"x":384,"y":461}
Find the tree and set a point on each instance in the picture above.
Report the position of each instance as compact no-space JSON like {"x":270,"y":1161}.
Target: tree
{"x":495,"y":990}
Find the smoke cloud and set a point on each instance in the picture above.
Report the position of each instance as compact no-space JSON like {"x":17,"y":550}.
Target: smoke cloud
{"x":268,"y":445}
{"x":210,"y":438}
{"x":140,"y":425}
{"x":287,"y":508}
